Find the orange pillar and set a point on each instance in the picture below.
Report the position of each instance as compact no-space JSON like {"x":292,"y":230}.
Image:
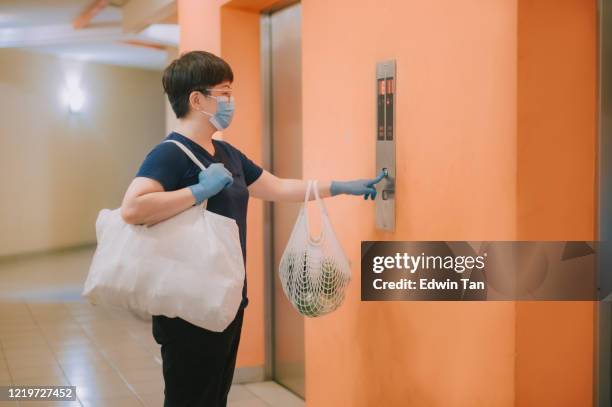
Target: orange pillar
{"x":200,"y":25}
{"x":240,"y":48}
{"x":556,"y":189}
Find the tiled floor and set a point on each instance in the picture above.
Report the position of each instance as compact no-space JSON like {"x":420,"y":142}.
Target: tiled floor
{"x":50,"y":336}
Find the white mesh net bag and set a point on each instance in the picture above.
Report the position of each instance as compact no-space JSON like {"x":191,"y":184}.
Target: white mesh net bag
{"x":314,"y":273}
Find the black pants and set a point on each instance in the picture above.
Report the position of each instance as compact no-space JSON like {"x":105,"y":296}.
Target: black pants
{"x":198,"y":364}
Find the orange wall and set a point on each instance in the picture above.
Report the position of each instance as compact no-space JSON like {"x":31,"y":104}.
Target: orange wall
{"x":556,"y":189}
{"x":456,"y":115}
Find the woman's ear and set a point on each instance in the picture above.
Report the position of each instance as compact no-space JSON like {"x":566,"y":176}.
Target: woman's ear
{"x":195,"y":100}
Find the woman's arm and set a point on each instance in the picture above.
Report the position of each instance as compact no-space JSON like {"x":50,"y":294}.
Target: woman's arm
{"x":146,"y":202}
{"x":269,"y":187}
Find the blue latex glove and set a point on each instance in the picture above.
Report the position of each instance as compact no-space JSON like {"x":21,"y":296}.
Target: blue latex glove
{"x":357,"y":187}
{"x":212,"y":180}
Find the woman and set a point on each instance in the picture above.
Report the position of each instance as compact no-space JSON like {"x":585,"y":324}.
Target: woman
{"x":198,"y":364}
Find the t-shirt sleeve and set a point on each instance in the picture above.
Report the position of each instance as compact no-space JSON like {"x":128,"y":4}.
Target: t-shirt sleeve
{"x":165,"y":164}
{"x":251,"y":170}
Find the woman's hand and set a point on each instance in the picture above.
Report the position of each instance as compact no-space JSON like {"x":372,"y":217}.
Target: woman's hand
{"x":357,"y":187}
{"x":212,"y":180}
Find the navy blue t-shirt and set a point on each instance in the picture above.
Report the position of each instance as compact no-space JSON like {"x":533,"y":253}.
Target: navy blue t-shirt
{"x":171,"y":167}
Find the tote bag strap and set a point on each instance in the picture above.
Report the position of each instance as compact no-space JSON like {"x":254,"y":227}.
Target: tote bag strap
{"x":193,"y":158}
{"x":188,"y":152}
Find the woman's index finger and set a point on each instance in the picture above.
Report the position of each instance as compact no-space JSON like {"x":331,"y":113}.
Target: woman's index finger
{"x":378,"y":179}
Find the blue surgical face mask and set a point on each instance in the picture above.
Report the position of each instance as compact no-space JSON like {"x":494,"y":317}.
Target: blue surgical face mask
{"x":222,"y":118}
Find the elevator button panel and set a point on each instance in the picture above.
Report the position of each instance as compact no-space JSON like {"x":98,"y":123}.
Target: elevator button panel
{"x":385,"y":143}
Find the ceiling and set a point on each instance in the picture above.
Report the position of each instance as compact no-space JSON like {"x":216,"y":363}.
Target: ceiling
{"x":48,"y":26}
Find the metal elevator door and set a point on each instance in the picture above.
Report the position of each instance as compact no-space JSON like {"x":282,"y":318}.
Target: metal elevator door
{"x":603,"y":395}
{"x":285,"y":77}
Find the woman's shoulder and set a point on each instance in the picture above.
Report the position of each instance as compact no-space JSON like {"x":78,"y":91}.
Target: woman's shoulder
{"x":168,"y":149}
{"x":168,"y":154}
{"x":165,"y":163}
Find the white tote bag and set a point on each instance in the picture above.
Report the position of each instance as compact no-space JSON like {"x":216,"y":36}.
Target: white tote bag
{"x":314,"y":273}
{"x":188,"y":266}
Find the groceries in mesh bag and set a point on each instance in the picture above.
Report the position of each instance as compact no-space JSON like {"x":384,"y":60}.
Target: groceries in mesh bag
{"x":314,"y":274}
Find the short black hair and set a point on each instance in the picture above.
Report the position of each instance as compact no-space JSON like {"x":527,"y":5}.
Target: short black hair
{"x":194,"y":70}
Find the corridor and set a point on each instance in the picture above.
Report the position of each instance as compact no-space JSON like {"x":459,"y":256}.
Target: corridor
{"x":50,"y":336}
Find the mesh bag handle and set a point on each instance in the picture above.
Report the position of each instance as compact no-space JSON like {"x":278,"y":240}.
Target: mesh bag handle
{"x":313,"y":184}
